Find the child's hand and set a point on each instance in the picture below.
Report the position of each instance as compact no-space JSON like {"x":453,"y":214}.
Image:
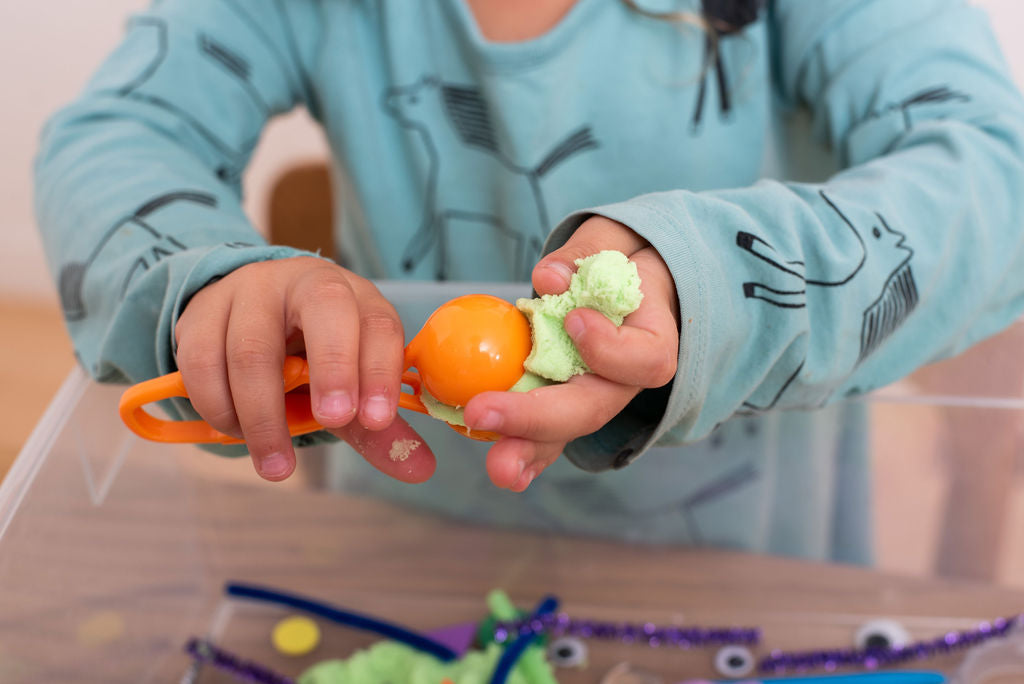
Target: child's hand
{"x":232,"y":340}
{"x":640,"y":354}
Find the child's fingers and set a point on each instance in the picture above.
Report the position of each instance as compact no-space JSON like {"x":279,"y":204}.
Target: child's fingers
{"x":513,"y":463}
{"x":558,"y":413}
{"x":327,"y":312}
{"x":200,"y":359}
{"x":381,"y":351}
{"x":552,"y":273}
{"x":658,"y":286}
{"x":507,"y":461}
{"x":650,"y":333}
{"x":255,"y":356}
{"x":652,"y":357}
{"x":397,"y":451}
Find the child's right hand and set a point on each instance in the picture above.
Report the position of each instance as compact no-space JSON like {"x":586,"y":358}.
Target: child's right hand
{"x":233,"y":337}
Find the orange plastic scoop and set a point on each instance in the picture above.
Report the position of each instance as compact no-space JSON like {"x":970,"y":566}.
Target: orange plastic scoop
{"x":472,"y":344}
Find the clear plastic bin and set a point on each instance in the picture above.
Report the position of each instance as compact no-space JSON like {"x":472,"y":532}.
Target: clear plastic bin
{"x":115,"y":551}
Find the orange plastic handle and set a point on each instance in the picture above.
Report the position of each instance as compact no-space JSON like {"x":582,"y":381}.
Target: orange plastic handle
{"x":297,"y":410}
{"x":411,"y":401}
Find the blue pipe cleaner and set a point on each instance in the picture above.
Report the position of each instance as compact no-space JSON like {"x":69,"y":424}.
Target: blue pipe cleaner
{"x":387,"y":630}
{"x":512,"y":654}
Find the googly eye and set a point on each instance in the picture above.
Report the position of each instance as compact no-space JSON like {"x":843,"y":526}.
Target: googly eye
{"x":567,"y":652}
{"x":734,"y":661}
{"x":882,"y":635}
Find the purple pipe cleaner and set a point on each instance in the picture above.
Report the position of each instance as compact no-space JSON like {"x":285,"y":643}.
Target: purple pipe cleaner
{"x":778,"y":662}
{"x":203,"y":651}
{"x":649,"y":633}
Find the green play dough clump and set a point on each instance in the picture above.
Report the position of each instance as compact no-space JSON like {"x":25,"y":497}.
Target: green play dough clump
{"x":607,"y":282}
{"x":456,"y":414}
{"x":388,"y":662}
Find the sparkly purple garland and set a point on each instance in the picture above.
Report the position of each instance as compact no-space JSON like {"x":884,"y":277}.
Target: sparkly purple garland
{"x":778,"y":662}
{"x":654,"y":635}
{"x":203,"y":651}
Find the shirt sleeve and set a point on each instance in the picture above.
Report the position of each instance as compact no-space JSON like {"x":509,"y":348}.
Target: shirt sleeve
{"x":138,"y":180}
{"x":793,"y":295}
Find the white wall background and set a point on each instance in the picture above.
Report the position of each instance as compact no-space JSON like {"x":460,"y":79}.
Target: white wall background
{"x":46,"y":56}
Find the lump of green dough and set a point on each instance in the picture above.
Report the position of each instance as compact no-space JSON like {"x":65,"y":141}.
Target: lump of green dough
{"x":388,"y":662}
{"x":607,"y":282}
{"x":455,"y":415}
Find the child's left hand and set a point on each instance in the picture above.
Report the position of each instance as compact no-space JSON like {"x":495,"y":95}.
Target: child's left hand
{"x":641,"y":354}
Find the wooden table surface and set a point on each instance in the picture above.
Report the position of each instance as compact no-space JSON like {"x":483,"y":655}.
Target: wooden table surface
{"x":108,"y":588}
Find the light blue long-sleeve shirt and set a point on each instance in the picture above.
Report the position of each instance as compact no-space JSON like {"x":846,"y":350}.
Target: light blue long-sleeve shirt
{"x":458,"y":157}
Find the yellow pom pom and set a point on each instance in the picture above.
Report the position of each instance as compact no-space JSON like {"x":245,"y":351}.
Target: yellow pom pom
{"x":295,"y":636}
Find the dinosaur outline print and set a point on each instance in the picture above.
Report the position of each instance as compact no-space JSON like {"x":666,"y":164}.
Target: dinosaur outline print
{"x":880,"y":318}
{"x":469,"y":128}
{"x":235,"y":67}
{"x":899,"y":295}
{"x":154,"y":32}
{"x":72,"y":275}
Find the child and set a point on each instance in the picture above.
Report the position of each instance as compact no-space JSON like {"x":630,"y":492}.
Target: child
{"x":464,"y":129}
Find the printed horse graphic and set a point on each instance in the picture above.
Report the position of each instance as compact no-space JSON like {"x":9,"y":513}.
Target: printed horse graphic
{"x":510,"y":200}
{"x":881,"y":316}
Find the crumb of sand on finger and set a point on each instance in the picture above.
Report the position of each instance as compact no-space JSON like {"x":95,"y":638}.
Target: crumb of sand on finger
{"x":402,"y":448}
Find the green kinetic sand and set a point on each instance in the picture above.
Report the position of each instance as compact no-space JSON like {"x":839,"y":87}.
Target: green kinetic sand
{"x":388,"y":662}
{"x":607,"y":282}
{"x":455,"y":416}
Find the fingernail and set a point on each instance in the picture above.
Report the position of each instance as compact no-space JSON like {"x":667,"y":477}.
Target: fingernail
{"x":491,"y":420}
{"x":563,"y":271}
{"x":520,"y":467}
{"x":524,"y":480}
{"x":575,"y":326}
{"x":377,"y":408}
{"x":336,"y":405}
{"x":275,"y":466}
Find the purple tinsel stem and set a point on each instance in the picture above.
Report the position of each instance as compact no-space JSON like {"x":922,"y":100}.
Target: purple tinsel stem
{"x":204,"y":652}
{"x":653,"y":635}
{"x":778,"y":662}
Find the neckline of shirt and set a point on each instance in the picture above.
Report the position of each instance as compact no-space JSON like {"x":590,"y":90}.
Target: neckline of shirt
{"x":521,"y":53}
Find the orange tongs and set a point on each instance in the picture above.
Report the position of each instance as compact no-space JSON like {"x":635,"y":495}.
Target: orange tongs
{"x":471,"y":344}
